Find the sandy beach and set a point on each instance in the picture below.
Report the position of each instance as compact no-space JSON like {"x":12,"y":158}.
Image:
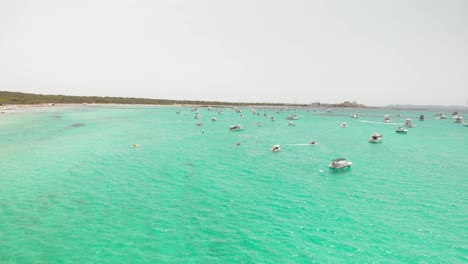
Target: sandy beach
{"x":27,"y":108}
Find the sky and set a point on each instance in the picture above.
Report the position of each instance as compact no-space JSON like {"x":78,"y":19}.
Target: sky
{"x":375,"y":52}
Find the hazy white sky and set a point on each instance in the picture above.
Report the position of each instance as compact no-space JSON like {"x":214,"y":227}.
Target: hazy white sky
{"x":374,"y":52}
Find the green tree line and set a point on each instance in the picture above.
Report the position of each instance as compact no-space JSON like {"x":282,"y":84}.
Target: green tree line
{"x":7,"y":98}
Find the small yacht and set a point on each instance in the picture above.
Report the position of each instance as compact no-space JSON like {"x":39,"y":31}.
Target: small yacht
{"x":387,"y":119}
{"x":376,"y":138}
{"x":458,"y":118}
{"x":409,"y":123}
{"x":340,"y":163}
{"x":236,"y":128}
{"x":441,"y":116}
{"x":276,"y":148}
{"x":292,"y":117}
{"x":355,"y":115}
{"x":344,"y":125}
{"x":401,"y":130}
{"x":291,"y":123}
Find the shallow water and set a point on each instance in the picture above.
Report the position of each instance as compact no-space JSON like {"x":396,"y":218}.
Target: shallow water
{"x":74,"y":190}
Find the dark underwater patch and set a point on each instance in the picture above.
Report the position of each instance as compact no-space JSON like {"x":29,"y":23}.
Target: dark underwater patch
{"x":78,"y":125}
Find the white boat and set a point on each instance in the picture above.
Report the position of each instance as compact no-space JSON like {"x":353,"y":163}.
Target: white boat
{"x":441,"y":116}
{"x":344,"y":125}
{"x":376,"y":138}
{"x":292,"y":117}
{"x":409,"y":123}
{"x":340,"y":163}
{"x":214,"y":119}
{"x":387,"y":119}
{"x":236,"y":128}
{"x":355,"y":115}
{"x":458,"y":118}
{"x":276,"y":148}
{"x":291,"y":123}
{"x":401,"y":130}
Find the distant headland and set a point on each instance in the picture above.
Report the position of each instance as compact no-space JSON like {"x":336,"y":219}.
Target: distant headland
{"x":17,"y":98}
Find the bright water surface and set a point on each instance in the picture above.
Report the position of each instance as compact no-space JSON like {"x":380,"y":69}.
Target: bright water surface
{"x":74,"y":190}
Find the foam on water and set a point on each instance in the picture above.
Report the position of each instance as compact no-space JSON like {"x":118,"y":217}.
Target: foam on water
{"x":74,"y":190}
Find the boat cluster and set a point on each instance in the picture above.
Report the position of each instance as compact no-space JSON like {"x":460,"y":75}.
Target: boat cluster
{"x":336,"y":164}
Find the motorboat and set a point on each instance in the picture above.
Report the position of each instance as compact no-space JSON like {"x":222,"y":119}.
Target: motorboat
{"x":387,"y":119}
{"x":376,"y":138}
{"x":199,"y":124}
{"x":313,"y":143}
{"x":441,"y":116}
{"x":344,"y":125}
{"x":214,"y":119}
{"x":291,"y":123}
{"x":355,"y":115}
{"x":340,"y":163}
{"x":292,"y":117}
{"x":276,"y":148}
{"x":272,"y":119}
{"x":458,"y":118}
{"x":409,"y":123}
{"x":421,"y":117}
{"x":259,"y":124}
{"x":401,"y":130}
{"x":236,"y":128}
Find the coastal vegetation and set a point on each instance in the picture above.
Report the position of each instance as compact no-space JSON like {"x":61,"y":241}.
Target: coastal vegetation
{"x":17,"y":98}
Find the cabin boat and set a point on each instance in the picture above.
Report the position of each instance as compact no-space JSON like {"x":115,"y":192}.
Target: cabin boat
{"x":355,"y":115}
{"x":401,"y":130}
{"x":457,"y":118}
{"x":387,"y":119}
{"x":409,"y":123}
{"x":292,"y":117}
{"x":344,"y":125}
{"x":291,"y":123}
{"x":236,"y":128}
{"x":276,"y":148}
{"x":376,"y":138}
{"x":340,"y":163}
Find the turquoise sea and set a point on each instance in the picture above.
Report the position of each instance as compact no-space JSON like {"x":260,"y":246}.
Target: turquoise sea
{"x":75,"y":190}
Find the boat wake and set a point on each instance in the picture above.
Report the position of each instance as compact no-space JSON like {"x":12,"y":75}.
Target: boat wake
{"x":380,"y":123}
{"x":302,"y":144}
